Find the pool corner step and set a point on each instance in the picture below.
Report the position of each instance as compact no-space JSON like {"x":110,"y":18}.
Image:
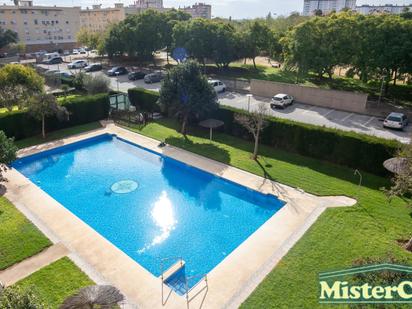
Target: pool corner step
{"x":172,"y":270}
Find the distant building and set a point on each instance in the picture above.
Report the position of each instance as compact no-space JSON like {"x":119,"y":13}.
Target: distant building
{"x":97,"y":19}
{"x":199,"y":10}
{"x":42,"y":27}
{"x":387,"y":8}
{"x":149,"y":4}
{"x":327,"y":6}
{"x":142,"y":5}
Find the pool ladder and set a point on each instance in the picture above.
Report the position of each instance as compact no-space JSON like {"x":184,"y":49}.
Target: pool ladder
{"x":178,"y":265}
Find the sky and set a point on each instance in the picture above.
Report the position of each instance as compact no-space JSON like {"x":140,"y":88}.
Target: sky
{"x":237,"y":9}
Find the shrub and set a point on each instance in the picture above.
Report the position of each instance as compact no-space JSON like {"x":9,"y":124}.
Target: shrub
{"x":84,"y":109}
{"x":18,"y":298}
{"x":144,"y":100}
{"x":96,"y":84}
{"x":346,"y":148}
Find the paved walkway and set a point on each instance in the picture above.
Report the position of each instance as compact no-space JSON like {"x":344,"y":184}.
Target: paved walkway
{"x":25,"y":268}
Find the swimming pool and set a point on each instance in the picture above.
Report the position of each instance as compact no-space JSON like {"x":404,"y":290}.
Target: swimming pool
{"x":148,"y":205}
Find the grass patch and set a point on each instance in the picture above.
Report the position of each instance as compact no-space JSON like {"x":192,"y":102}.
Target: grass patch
{"x":341,"y":235}
{"x":55,"y":135}
{"x":19,"y":238}
{"x":57,"y":281}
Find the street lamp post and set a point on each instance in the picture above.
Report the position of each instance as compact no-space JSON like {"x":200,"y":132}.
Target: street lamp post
{"x":249,"y":96}
{"x":117,"y":80}
{"x":381,"y":92}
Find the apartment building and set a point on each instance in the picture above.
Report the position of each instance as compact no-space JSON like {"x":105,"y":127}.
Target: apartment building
{"x":42,"y":27}
{"x":327,"y":6}
{"x":387,"y":8}
{"x":199,"y":10}
{"x":142,"y":5}
{"x":97,"y":19}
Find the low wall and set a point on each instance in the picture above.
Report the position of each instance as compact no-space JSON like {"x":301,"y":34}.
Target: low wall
{"x":335,"y":99}
{"x":239,"y":85}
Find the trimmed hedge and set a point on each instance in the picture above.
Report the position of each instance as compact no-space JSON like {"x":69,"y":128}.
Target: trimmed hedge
{"x":144,"y":99}
{"x":351,"y":149}
{"x":85,"y":109}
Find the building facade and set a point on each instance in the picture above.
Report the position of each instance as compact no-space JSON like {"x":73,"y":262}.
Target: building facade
{"x":148,"y":4}
{"x":327,"y":6}
{"x":387,"y":8}
{"x":97,"y":19}
{"x":199,"y":10}
{"x":42,"y":27}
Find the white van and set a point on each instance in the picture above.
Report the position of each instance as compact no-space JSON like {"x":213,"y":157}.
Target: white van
{"x":49,"y":56}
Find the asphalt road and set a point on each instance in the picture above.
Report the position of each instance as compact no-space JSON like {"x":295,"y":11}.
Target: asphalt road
{"x":320,"y":116}
{"x":299,"y":112}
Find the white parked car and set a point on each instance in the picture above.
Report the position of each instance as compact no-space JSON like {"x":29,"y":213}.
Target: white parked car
{"x":78,"y":64}
{"x":281,"y":100}
{"x":217,"y":85}
{"x":396,"y":121}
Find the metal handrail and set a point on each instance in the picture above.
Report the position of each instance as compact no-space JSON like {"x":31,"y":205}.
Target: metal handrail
{"x":189,"y":290}
{"x":162,"y":272}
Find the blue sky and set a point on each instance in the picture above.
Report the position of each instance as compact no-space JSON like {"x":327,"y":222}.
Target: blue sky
{"x":225,"y":8}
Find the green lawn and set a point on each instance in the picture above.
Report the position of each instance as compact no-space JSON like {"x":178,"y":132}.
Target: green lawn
{"x":370,"y":229}
{"x":19,"y":238}
{"x":55,"y":135}
{"x":55,"y":282}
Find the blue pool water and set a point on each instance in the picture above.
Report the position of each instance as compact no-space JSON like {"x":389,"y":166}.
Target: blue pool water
{"x":148,"y":205}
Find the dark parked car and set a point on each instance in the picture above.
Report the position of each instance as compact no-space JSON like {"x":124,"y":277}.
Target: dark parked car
{"x":55,"y":60}
{"x":136,"y":75}
{"x":93,"y":67}
{"x":117,"y":71}
{"x":153,"y":77}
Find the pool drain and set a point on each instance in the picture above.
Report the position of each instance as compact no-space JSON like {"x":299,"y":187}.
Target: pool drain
{"x":124,"y":186}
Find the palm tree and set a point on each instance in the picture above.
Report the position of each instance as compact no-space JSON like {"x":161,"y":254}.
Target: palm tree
{"x":103,"y":296}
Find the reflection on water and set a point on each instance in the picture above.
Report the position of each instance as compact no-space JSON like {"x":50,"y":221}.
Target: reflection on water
{"x":164,"y":218}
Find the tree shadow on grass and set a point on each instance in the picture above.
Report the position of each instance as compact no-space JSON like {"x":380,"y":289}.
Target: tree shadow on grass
{"x":323,"y":167}
{"x":207,"y":149}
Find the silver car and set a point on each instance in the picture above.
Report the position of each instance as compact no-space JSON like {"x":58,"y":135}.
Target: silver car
{"x":281,"y":100}
{"x":396,"y":121}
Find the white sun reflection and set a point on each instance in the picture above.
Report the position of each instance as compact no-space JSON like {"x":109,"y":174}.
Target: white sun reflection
{"x":163,"y":216}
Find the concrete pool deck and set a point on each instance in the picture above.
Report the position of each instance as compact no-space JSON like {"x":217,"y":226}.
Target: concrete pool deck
{"x":229,"y":283}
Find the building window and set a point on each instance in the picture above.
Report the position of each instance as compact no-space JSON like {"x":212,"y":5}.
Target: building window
{"x":67,"y":22}
{"x":36,"y":22}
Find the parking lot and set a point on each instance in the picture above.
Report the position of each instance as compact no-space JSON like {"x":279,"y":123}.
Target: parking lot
{"x":320,"y":116}
{"x":299,"y":112}
{"x":121,"y":83}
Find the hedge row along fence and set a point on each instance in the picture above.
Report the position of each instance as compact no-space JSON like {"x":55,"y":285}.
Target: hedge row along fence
{"x":143,"y":99}
{"x":358,"y":151}
{"x":351,"y":149}
{"x":84,"y":109}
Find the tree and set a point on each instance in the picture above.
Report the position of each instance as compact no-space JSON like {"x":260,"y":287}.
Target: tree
{"x":187,"y":93}
{"x":45,"y":105}
{"x":402,"y":180}
{"x":254,"y":122}
{"x":89,"y":38}
{"x":225,"y":45}
{"x":171,"y":18}
{"x":7,"y":154}
{"x":197,"y":36}
{"x":18,"y":298}
{"x":17,"y":84}
{"x":7,"y":37}
{"x":142,"y":34}
{"x":255,"y":40}
{"x":96,"y":84}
